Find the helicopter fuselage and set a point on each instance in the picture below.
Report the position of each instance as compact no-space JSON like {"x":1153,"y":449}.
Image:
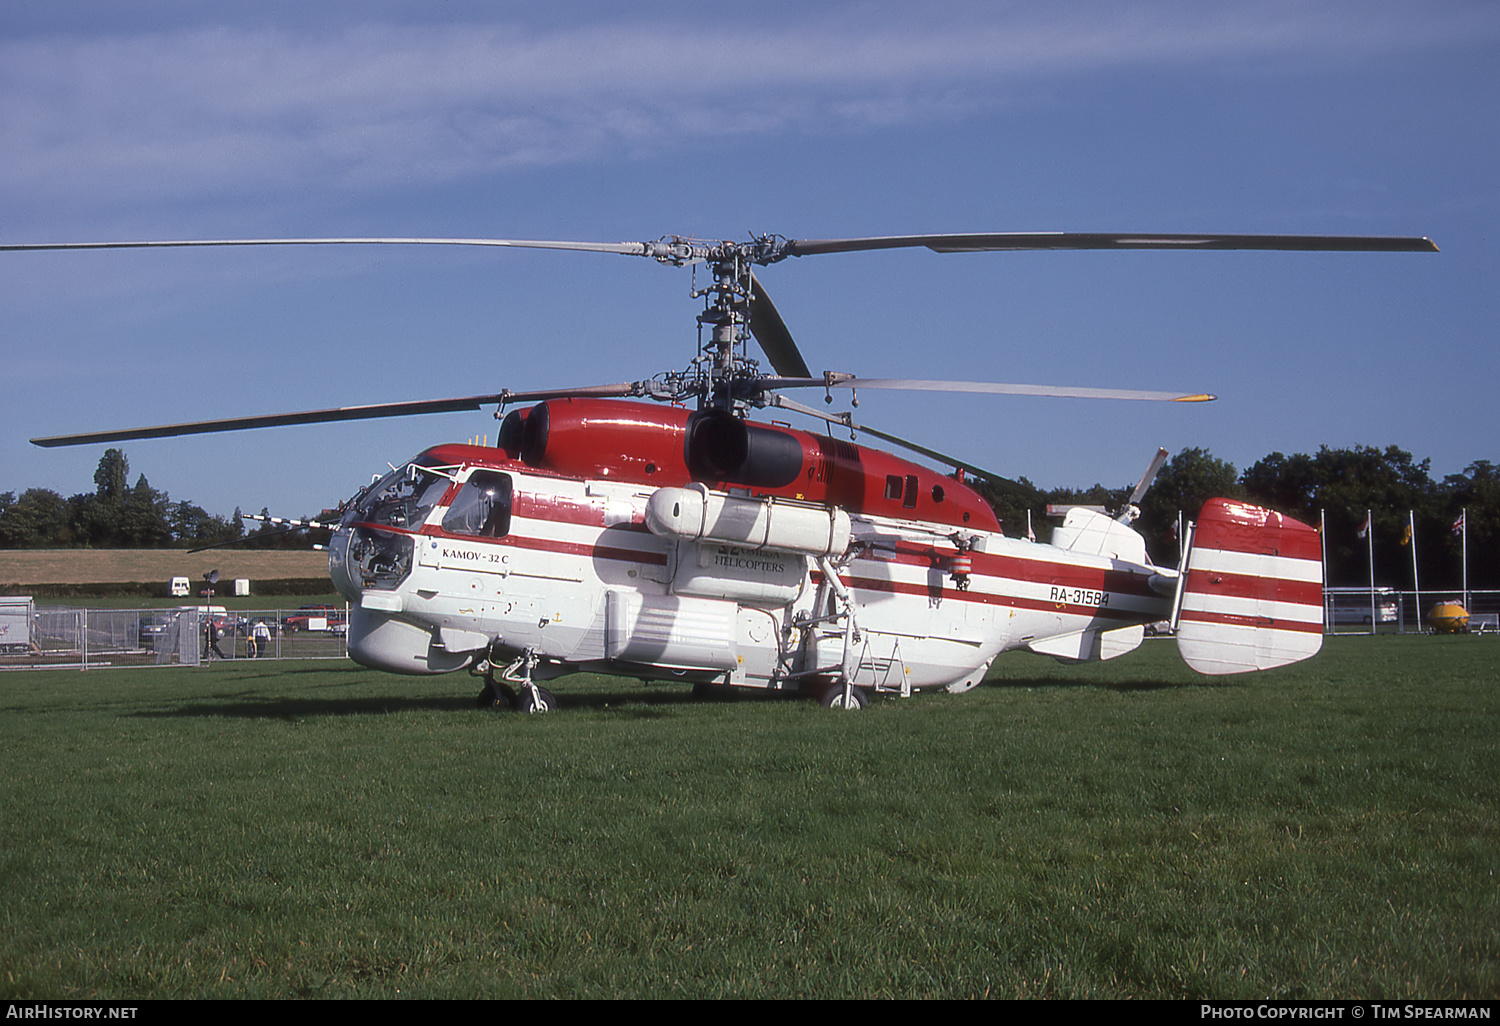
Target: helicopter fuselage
{"x":841,"y":564}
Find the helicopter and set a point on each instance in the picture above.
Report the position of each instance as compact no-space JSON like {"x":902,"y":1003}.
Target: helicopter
{"x":652,"y":529}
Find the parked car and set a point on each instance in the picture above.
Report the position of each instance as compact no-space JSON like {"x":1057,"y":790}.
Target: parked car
{"x":153,"y":627}
{"x":316,"y":617}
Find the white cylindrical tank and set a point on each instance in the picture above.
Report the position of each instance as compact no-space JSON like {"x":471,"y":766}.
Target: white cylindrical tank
{"x":696,"y":514}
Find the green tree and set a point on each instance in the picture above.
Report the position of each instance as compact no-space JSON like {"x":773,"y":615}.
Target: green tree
{"x":1340,"y":485}
{"x":111,"y":476}
{"x":1186,"y":481}
{"x":37,"y":520}
{"x":1011,"y":501}
{"x":143,"y":517}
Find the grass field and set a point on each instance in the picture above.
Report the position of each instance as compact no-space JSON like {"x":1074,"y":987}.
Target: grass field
{"x":1116,"y":830}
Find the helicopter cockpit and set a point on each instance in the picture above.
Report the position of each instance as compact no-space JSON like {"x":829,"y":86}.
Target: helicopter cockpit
{"x":403,"y":498}
{"x":380,"y":523}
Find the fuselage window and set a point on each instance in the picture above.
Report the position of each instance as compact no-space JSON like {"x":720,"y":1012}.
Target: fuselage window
{"x":482,"y":506}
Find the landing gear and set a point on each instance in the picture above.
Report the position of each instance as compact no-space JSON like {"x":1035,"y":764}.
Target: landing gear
{"x":498,"y":694}
{"x":843,"y":696}
{"x":533,"y":699}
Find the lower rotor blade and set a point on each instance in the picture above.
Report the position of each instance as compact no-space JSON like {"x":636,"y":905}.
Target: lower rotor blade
{"x":989,"y":388}
{"x":773,"y":335}
{"x":342,"y":413}
{"x":844,"y":420}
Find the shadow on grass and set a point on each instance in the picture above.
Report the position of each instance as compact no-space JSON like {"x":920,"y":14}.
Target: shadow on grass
{"x":643,"y":704}
{"x":1135,"y":684}
{"x":273,"y":708}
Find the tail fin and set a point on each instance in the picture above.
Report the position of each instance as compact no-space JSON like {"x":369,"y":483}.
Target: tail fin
{"x":1253,"y":594}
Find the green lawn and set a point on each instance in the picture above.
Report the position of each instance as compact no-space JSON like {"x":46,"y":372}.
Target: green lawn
{"x":1124,"y":829}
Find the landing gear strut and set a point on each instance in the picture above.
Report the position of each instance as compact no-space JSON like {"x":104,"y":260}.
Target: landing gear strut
{"x":498,"y":693}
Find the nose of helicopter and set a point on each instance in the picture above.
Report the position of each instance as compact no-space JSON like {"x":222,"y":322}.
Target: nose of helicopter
{"x":339,"y":566}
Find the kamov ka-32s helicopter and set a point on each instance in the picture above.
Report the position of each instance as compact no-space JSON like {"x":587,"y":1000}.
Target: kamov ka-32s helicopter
{"x":606,"y":533}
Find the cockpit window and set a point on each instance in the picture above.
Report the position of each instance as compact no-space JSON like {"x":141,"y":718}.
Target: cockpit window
{"x":482,"y":506}
{"x":403,"y":498}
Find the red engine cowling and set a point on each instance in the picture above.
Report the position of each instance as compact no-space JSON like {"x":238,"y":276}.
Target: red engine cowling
{"x":668,"y":446}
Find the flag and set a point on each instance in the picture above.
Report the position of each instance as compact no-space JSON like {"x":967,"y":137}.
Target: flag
{"x":1458,"y":525}
{"x":1030,"y":534}
{"x":1364,"y":527}
{"x":1406,"y":535}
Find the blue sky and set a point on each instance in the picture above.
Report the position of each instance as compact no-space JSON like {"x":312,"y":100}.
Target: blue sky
{"x":615,"y":122}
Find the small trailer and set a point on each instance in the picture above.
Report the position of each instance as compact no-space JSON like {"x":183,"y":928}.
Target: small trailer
{"x":17,"y":614}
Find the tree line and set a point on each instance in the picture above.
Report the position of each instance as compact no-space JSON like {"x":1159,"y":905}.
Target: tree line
{"x":118,"y":515}
{"x":1333,"y":488}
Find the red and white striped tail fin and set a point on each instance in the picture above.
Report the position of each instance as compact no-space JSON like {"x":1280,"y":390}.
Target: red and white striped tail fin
{"x":1253,"y":594}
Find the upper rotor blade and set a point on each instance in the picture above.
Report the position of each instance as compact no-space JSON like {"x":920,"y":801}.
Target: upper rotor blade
{"x":988,"y":387}
{"x":403,"y":409}
{"x":773,"y":335}
{"x":627,"y":248}
{"x":998,"y":241}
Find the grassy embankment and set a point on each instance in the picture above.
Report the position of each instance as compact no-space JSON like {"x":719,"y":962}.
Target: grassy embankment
{"x":138,"y":577}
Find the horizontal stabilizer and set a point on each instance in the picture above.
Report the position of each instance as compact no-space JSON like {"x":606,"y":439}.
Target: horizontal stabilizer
{"x":1253,"y":596}
{"x":1091,"y":645}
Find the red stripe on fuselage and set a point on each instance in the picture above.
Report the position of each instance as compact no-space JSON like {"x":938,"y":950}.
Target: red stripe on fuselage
{"x":1033,"y":571}
{"x":948,"y":593}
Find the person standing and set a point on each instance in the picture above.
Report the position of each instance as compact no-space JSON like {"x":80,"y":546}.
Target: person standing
{"x":260,"y":637}
{"x":213,"y":634}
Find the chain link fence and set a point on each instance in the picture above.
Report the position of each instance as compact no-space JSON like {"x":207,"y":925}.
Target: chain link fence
{"x":1392,"y":611}
{"x":63,"y":637}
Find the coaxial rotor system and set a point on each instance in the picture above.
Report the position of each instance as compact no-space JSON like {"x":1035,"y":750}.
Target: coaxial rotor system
{"x":736,"y":308}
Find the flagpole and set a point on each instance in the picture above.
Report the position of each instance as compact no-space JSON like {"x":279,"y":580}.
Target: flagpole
{"x":1370,"y":541}
{"x":1323,"y":544}
{"x":1411,"y":535}
{"x":1463,"y":520}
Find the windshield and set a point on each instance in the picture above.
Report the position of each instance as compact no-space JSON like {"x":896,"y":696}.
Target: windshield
{"x":403,"y":498}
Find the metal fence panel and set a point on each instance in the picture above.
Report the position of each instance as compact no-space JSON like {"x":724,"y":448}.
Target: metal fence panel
{"x":66,"y":636}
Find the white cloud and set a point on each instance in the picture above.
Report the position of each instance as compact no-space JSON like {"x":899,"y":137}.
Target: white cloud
{"x":205,"y":112}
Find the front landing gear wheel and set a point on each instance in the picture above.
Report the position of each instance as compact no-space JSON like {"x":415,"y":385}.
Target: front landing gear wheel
{"x":536,"y":700}
{"x":837,"y":696}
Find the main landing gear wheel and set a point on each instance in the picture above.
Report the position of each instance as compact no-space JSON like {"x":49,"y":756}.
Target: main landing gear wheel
{"x":496,"y":695}
{"x":837,"y":696}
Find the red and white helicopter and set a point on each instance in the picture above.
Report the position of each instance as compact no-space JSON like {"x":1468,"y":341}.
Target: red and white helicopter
{"x":607,"y":533}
